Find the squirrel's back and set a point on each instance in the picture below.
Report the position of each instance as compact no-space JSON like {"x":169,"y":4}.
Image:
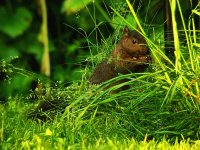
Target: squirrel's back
{"x":131,"y":54}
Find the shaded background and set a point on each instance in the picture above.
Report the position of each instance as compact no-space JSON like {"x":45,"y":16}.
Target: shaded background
{"x":75,"y":29}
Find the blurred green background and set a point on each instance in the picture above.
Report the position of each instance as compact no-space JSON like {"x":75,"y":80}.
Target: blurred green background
{"x":74,"y":28}
{"x":70,"y":29}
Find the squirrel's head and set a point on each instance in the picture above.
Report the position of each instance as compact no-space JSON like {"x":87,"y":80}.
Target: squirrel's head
{"x":134,"y":43}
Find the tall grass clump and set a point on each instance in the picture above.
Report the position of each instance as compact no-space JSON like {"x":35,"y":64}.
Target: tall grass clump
{"x":169,"y":94}
{"x":163,"y":101}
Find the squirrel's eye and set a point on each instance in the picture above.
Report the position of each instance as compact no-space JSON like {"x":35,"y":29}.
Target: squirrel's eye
{"x":134,"y":41}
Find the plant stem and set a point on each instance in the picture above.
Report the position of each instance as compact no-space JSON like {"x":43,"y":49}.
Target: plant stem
{"x":45,"y":66}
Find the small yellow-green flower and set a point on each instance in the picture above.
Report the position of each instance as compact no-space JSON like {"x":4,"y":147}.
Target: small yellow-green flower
{"x":48,"y":132}
{"x":39,"y":140}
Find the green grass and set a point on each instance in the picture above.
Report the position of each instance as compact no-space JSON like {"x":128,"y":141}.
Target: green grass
{"x":99,"y":128}
{"x":106,"y":129}
{"x":159,"y":111}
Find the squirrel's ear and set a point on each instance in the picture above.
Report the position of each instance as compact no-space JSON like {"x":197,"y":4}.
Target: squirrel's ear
{"x":126,"y":31}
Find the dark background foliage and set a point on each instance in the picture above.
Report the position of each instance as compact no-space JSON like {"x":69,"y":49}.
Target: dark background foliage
{"x":73,"y":28}
{"x":19,"y":31}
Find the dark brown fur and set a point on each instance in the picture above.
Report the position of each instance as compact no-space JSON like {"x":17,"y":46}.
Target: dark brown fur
{"x":131,"y":54}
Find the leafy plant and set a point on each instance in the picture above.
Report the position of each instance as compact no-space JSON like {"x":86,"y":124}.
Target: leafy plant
{"x":6,"y":70}
{"x":15,"y":23}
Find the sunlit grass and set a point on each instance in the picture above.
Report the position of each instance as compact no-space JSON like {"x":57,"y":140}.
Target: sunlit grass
{"x":100,"y":128}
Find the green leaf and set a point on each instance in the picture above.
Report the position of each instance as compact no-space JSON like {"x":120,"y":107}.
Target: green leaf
{"x":15,"y":23}
{"x":73,"y":6}
{"x":7,"y":51}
